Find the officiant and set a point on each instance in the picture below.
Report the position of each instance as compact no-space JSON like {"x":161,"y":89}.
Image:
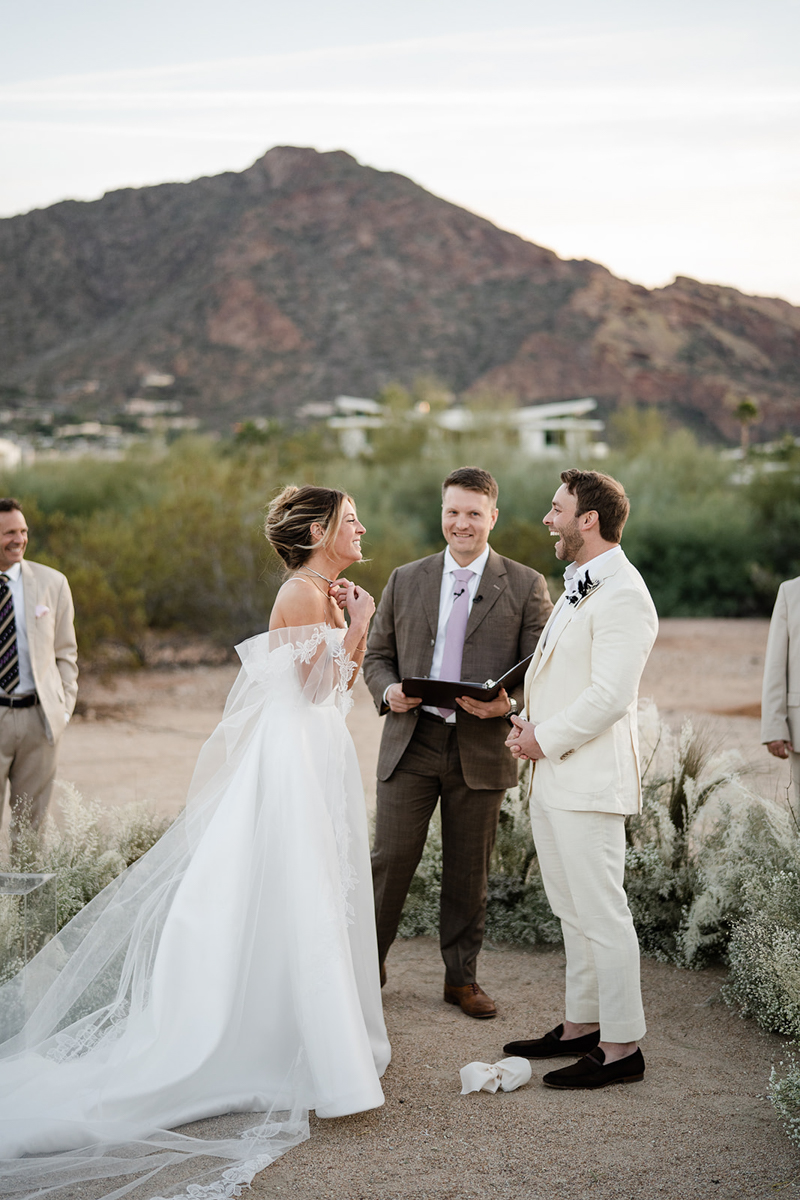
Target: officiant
{"x":464,"y":614}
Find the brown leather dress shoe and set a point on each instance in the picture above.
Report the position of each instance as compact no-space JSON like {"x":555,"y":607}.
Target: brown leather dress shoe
{"x":383,"y":974}
{"x":471,"y":999}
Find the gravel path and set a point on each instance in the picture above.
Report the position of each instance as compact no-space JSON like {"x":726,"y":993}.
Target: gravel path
{"x":697,"y":1126}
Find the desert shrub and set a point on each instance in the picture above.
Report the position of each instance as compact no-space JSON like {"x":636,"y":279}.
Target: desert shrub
{"x":764,"y":953}
{"x":774,"y":498}
{"x":517,"y":910}
{"x":85,"y":846}
{"x":784,"y":1092}
{"x":764,"y":978}
{"x":698,"y":840}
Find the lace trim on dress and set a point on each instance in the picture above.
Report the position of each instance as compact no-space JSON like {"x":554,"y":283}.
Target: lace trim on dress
{"x":347,"y":669}
{"x":66,"y":1047}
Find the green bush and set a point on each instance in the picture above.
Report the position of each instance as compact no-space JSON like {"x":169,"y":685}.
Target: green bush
{"x":172,"y":540}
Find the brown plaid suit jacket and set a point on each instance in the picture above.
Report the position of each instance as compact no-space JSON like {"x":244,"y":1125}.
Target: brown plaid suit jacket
{"x":503,"y":628}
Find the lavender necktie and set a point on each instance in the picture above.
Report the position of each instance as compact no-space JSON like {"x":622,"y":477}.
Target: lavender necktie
{"x":456,"y":628}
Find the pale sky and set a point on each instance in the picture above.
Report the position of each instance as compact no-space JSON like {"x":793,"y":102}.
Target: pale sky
{"x":657,"y":139}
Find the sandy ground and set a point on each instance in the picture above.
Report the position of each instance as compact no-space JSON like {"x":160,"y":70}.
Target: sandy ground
{"x":697,"y":1126}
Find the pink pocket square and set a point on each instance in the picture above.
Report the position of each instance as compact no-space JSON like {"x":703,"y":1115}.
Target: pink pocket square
{"x":41,"y":610}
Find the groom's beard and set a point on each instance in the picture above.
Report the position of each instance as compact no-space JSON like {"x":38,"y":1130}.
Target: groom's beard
{"x":570,"y":542}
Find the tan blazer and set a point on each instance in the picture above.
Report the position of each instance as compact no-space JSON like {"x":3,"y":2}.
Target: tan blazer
{"x":503,"y":628}
{"x":53,"y":647}
{"x":780,"y":697}
{"x":582,"y":690}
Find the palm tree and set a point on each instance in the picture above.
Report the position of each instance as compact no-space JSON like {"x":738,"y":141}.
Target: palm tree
{"x":745,"y":412}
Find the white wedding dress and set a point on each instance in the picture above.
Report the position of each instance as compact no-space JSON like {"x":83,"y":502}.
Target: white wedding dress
{"x":232,"y":969}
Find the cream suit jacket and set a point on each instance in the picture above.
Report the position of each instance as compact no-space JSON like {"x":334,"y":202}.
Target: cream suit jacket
{"x":582,"y":690}
{"x":780,"y":697}
{"x":52,"y":643}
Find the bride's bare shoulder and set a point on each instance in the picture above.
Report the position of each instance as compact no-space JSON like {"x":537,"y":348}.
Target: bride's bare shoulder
{"x":299,"y":602}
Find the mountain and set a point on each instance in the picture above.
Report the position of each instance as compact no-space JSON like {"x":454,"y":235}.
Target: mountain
{"x":309,"y":275}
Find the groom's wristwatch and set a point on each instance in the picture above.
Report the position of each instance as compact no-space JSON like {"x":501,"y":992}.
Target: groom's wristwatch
{"x":512,"y":708}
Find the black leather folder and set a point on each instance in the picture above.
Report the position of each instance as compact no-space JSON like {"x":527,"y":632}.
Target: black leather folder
{"x":442,"y":693}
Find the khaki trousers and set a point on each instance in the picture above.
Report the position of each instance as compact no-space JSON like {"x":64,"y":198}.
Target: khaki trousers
{"x":27,"y":764}
{"x":582,"y":860}
{"x":794,"y":783}
{"x":429,"y":771}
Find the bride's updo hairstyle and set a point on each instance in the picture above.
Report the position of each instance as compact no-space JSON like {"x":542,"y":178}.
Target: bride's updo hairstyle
{"x":291,"y":515}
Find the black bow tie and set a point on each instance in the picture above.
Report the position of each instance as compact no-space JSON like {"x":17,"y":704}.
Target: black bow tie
{"x":584,"y":586}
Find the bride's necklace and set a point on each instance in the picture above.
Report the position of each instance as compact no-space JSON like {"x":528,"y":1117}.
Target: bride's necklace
{"x":330,"y":582}
{"x":313,"y":572}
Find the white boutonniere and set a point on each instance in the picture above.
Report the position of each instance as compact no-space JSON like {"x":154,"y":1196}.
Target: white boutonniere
{"x":41,"y":610}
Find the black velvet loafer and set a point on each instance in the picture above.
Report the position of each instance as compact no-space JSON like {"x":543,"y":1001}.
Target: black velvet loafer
{"x":551,"y":1045}
{"x":592,"y":1071}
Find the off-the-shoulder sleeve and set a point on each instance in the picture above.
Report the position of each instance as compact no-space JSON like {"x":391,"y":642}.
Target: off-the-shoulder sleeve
{"x":306,"y":662}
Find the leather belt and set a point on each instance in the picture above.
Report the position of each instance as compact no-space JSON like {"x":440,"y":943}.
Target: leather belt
{"x":435,"y":717}
{"x":19,"y":702}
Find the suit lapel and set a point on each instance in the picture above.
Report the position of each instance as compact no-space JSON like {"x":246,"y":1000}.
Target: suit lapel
{"x":552,"y":633}
{"x":610,"y":567}
{"x":491,"y":586}
{"x":430,"y":588}
{"x":30,"y":593}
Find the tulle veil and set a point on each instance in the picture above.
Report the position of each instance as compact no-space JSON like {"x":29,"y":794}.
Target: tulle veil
{"x":258,"y":866}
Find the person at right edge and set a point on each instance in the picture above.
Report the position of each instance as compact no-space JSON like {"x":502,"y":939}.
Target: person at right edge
{"x":780,"y":698}
{"x":581,"y":697}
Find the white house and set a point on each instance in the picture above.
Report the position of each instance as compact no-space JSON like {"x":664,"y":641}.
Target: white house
{"x":543,"y":430}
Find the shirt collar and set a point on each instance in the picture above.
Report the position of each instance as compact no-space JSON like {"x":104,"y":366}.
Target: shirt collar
{"x":478,"y":565}
{"x":13,"y":571}
{"x":574,"y":572}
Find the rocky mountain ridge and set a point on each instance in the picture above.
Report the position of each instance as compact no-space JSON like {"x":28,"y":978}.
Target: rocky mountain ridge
{"x":309,"y":275}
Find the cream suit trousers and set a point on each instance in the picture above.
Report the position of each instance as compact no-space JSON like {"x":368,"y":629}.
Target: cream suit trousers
{"x":582,"y":860}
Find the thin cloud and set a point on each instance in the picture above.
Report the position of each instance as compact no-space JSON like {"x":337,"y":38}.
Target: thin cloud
{"x":589,"y":105}
{"x":594,"y":45}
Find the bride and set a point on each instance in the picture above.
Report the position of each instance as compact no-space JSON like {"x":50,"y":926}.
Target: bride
{"x":233,"y":968}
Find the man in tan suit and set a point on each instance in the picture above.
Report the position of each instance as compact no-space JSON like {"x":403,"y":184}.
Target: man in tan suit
{"x":780,"y":698}
{"x":581,"y":697}
{"x":38,"y":670}
{"x":464,"y":614}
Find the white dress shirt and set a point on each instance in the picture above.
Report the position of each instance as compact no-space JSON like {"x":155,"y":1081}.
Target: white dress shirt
{"x":26,"y":683}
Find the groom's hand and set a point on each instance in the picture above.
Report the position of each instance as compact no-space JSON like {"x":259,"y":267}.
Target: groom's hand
{"x":522,"y":740}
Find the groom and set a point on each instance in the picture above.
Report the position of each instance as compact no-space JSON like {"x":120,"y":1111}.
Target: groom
{"x":463,"y":614}
{"x":581,"y":694}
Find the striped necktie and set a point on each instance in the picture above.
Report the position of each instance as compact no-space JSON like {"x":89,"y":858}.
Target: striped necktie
{"x":9,"y":653}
